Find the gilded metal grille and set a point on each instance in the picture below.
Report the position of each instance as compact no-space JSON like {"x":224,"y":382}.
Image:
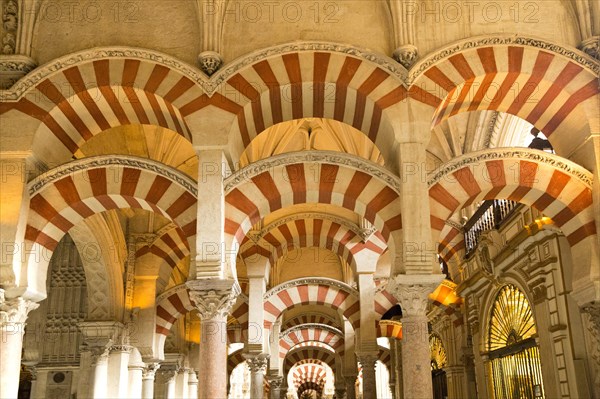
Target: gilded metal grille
{"x":439,"y":359}
{"x":515,"y":367}
{"x":518,"y":375}
{"x":512,"y":319}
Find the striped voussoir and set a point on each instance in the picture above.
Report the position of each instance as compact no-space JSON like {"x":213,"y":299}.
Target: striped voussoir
{"x":385,"y":356}
{"x":170,"y":306}
{"x":66,"y":195}
{"x":303,"y":233}
{"x":452,"y":244}
{"x":323,"y":292}
{"x":169,"y":249}
{"x":309,"y":372}
{"x":283,"y":185}
{"x":389,"y":329}
{"x":303,"y":355}
{"x":556,"y":187}
{"x":313,"y":84}
{"x":77,"y":102}
{"x":541,"y":87}
{"x":384,"y":301}
{"x":234,"y":359}
{"x":310,"y":318}
{"x":328,"y":336}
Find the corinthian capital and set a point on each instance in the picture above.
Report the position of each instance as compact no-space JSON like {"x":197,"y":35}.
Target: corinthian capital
{"x":412,"y":290}
{"x":257,"y":362}
{"x":15,"y":310}
{"x":367,"y":360}
{"x":213,"y":297}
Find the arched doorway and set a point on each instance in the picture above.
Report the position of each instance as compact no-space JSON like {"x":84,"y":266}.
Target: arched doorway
{"x":438,"y":362}
{"x":515,"y":369}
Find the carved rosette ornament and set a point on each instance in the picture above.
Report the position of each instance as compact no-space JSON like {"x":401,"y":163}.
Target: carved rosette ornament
{"x":209,"y":62}
{"x":591,"y":46}
{"x":412,"y":291}
{"x":15,"y":311}
{"x":406,"y":55}
{"x":257,"y":363}
{"x":212,"y":297}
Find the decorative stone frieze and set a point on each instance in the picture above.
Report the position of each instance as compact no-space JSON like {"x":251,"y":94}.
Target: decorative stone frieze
{"x":106,"y":161}
{"x":14,"y":67}
{"x":330,"y":157}
{"x":213,"y":297}
{"x":566,"y":166}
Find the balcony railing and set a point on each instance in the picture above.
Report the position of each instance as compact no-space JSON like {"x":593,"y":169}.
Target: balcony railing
{"x":488,"y":217}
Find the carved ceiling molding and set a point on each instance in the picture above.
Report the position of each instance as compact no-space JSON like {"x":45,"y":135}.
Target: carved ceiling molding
{"x":311,"y":281}
{"x":308,"y":326}
{"x":564,"y":165}
{"x":322,"y":157}
{"x":104,"y":161}
{"x":577,"y":56}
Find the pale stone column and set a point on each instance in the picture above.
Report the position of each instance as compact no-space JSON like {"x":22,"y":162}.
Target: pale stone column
{"x":181,"y":383}
{"x":13,"y":313}
{"x":275,"y":382}
{"x":134,"y":389}
{"x":368,"y":362}
{"x":396,"y":368}
{"x":192,"y":385}
{"x":411,"y":292}
{"x":148,"y":375}
{"x":210,"y":231}
{"x":99,"y":375}
{"x":592,"y":310}
{"x":168,"y":377}
{"x":350,"y":386}
{"x":213,"y":298}
{"x":258,"y":365}
{"x":118,"y":373}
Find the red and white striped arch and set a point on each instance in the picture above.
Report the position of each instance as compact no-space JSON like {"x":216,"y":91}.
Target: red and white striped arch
{"x":311,"y":177}
{"x":323,"y":84}
{"x":100,"y":89}
{"x":309,"y":376}
{"x":383,"y":299}
{"x":321,"y":291}
{"x":169,"y":307}
{"x":308,"y":354}
{"x":61,"y":198}
{"x":311,"y":318}
{"x":558,"y":188}
{"x":452,"y":244}
{"x":548,"y":89}
{"x":235,"y":359}
{"x":313,"y":232}
{"x":389,"y":329}
{"x":319,"y":333}
{"x":167,"y":251}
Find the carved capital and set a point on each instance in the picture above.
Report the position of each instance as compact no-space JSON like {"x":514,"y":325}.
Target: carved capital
{"x":121,"y":348}
{"x":209,"y":62}
{"x":591,"y":46}
{"x":257,"y":362}
{"x":14,"y":310}
{"x":412,"y":291}
{"x":13,"y":68}
{"x":149,"y":371}
{"x":213,"y":297}
{"x":367,"y":360}
{"x":275,"y":381}
{"x":593,"y":310}
{"x":406,"y":55}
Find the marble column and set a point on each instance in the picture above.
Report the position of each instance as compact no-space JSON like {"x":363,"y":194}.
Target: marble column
{"x":13,"y":313}
{"x":135,"y":378}
{"x":412,"y":293}
{"x":368,"y":362}
{"x":148,"y":375}
{"x":168,"y":377}
{"x":275,"y":382}
{"x":213,"y":298}
{"x":258,"y":365}
{"x":118,"y":373}
{"x":192,"y":385}
{"x":98,"y":388}
{"x":350,"y":387}
{"x":181,"y":383}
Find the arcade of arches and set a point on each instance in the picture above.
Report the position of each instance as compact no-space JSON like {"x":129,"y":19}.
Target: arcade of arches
{"x":228,"y":199}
